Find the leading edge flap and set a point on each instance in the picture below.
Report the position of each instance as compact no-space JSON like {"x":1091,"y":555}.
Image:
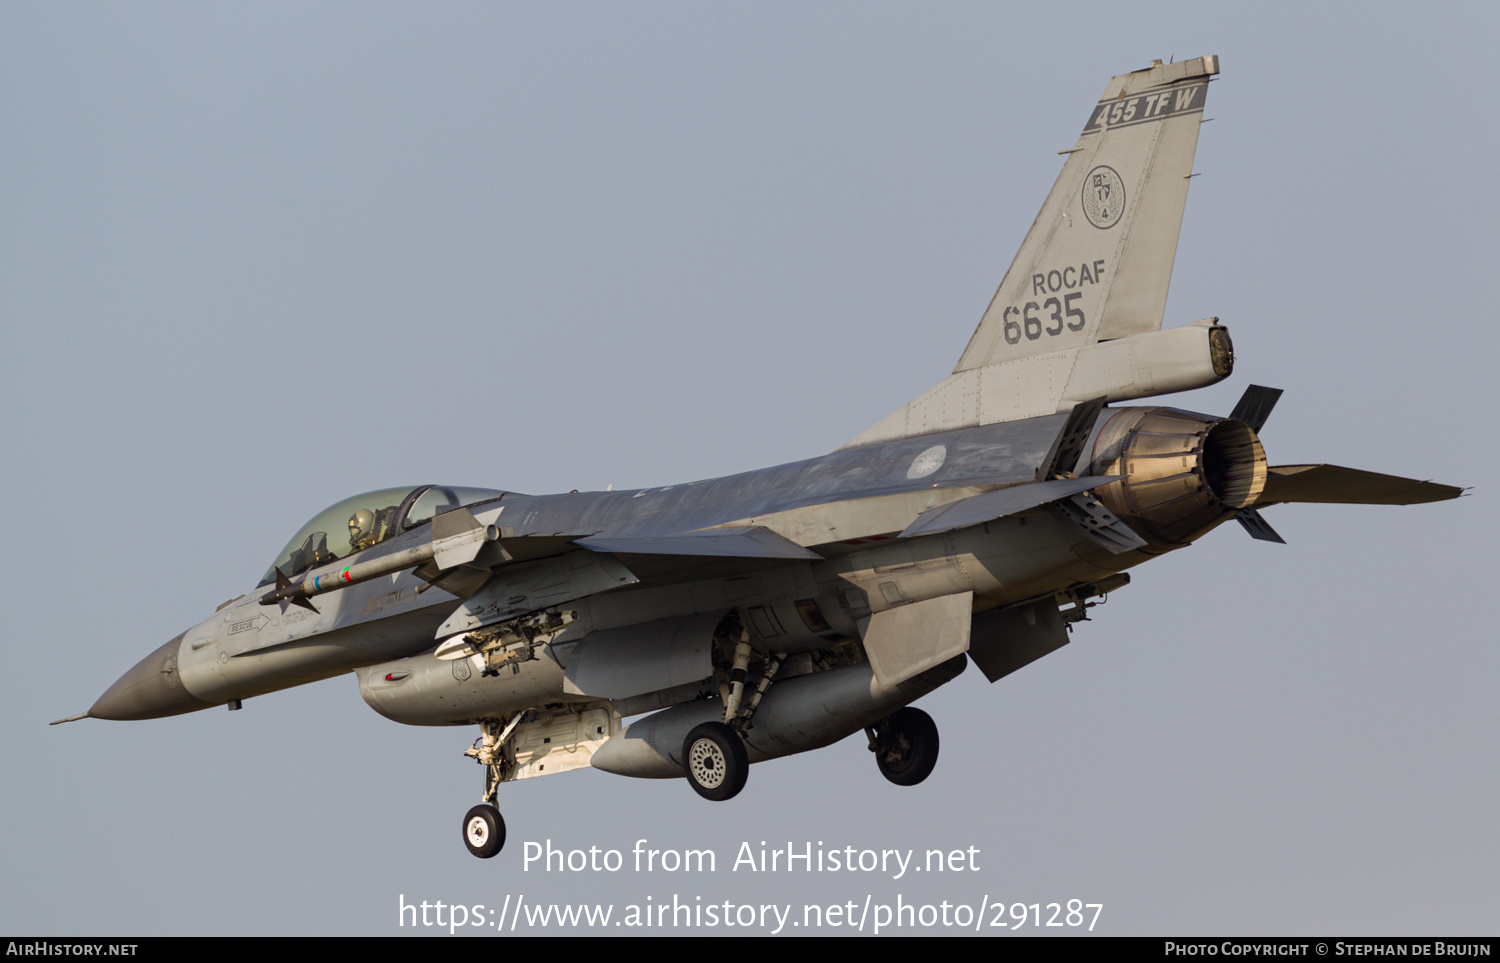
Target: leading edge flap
{"x":748,"y":542}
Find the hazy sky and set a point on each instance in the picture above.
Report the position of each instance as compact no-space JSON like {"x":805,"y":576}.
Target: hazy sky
{"x":256,"y":258}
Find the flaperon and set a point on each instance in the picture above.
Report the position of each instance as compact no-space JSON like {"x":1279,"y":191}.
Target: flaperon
{"x":781,"y":610}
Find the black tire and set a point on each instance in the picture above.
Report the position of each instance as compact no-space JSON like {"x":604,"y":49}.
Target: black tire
{"x":906,"y":746}
{"x":714,"y":758}
{"x":484,"y":831}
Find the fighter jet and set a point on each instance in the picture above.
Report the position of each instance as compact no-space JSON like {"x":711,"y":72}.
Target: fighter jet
{"x":782,"y":610}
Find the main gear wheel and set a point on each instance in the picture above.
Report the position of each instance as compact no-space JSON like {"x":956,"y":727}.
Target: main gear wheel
{"x":714,"y":758}
{"x":906,"y":746}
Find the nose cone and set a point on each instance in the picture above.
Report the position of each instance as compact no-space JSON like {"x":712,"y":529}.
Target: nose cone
{"x":151,"y":689}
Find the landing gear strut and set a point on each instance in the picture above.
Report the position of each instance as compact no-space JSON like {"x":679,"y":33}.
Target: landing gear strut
{"x":713,"y":754}
{"x":484,"y":828}
{"x":905,"y":744}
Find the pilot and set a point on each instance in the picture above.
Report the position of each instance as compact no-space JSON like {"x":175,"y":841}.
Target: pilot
{"x":362,"y":530}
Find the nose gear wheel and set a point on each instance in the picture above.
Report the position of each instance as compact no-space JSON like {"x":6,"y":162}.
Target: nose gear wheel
{"x":484,"y":831}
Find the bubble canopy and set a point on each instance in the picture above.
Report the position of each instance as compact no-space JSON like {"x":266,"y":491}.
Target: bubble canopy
{"x":357,"y":523}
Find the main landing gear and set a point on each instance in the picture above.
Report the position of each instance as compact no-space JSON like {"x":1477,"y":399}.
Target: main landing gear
{"x":905,"y":744}
{"x":714,"y":757}
{"x":713,"y":754}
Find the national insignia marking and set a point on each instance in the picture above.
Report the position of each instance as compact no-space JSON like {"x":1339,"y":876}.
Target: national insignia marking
{"x":1103,"y":197}
{"x":927,"y":462}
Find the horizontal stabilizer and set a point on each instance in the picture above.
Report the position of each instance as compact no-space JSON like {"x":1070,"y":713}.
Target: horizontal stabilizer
{"x":750,"y":542}
{"x":989,"y":506}
{"x":1348,"y":486}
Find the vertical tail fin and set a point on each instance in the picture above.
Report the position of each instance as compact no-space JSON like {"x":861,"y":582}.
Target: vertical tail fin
{"x":1096,"y":263}
{"x":1079,"y":313}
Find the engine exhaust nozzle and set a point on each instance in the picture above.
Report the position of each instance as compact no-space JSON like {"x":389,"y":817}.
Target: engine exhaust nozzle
{"x":1184,"y":472}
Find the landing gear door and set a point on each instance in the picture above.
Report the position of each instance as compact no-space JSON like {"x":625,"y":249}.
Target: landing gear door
{"x":561,"y":740}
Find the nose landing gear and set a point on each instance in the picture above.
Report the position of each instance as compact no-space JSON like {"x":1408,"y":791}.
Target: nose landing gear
{"x":484,"y":830}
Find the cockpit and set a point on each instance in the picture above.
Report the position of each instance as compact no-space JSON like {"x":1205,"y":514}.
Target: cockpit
{"x":357,"y":523}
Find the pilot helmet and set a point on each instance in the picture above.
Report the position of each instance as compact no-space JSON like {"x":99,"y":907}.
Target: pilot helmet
{"x":361,"y":525}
